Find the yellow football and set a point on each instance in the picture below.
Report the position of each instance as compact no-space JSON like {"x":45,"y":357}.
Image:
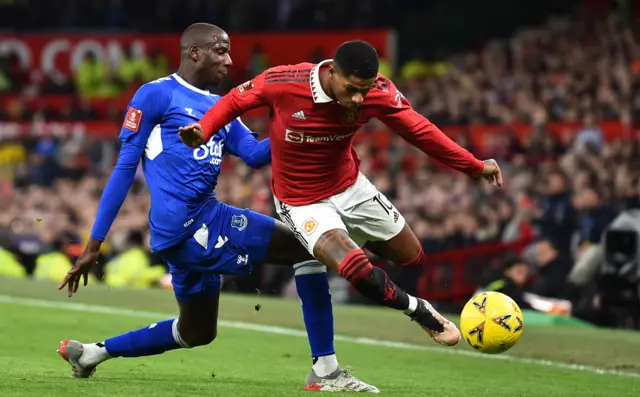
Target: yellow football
{"x":491,"y":322}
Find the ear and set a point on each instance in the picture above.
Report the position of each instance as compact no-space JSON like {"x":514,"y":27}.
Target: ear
{"x":332,"y":71}
{"x":194,"y":53}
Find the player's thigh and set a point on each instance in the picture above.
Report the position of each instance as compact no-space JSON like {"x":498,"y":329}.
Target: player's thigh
{"x":310,"y":223}
{"x":378,"y":223}
{"x":250,"y":233}
{"x":285,"y":248}
{"x":231,"y":242}
{"x":400,"y":249}
{"x":386,"y":231}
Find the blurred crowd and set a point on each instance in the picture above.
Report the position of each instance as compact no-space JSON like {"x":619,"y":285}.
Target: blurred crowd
{"x":570,"y":67}
{"x":561,"y":190}
{"x":92,"y":79}
{"x":559,"y":72}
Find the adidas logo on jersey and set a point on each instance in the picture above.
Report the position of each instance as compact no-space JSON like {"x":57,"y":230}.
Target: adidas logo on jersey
{"x":299,"y":115}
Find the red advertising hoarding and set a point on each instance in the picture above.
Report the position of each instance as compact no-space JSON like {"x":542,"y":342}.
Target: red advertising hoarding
{"x":62,"y":53}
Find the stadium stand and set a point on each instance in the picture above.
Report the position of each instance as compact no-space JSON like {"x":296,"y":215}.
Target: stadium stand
{"x":557,"y":105}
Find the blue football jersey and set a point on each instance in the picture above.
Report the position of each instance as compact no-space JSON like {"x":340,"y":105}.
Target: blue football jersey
{"x":181,"y":180}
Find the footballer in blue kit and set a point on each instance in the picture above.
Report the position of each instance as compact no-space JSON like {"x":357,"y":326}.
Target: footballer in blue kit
{"x":200,"y":238}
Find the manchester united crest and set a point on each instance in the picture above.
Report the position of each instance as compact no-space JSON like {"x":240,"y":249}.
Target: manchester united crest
{"x":351,"y":115}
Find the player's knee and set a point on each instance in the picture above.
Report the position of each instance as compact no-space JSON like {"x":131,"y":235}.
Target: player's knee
{"x":418,"y":260}
{"x":205,"y":337}
{"x":309,"y":267}
{"x":200,"y":336}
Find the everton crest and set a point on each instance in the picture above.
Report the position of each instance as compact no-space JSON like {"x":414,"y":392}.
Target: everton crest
{"x":351,"y":115}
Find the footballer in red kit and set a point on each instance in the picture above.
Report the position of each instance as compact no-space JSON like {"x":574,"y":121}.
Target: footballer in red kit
{"x":319,"y":191}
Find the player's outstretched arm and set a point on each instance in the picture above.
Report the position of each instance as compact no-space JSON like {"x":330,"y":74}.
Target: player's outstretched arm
{"x":397,"y":113}
{"x":247,"y":96}
{"x":112,"y":198}
{"x":144,"y":112}
{"x":241,"y":142}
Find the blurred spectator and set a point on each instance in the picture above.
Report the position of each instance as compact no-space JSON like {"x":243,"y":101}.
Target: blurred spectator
{"x":555,"y":216}
{"x":552,"y":271}
{"x":134,"y":70}
{"x":415,"y":68}
{"x":258,"y":62}
{"x":594,"y":215}
{"x":385,"y":66}
{"x":590,"y":138}
{"x":133,"y":267}
{"x":511,"y":279}
{"x":5,"y":80}
{"x":94,"y":79}
{"x":158,"y":65}
{"x":16,"y":110}
{"x":17,"y":77}
{"x":55,"y":264}
{"x":90,"y":75}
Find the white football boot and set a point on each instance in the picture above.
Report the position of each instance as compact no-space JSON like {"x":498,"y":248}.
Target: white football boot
{"x":435,"y":324}
{"x":73,"y":352}
{"x":341,"y":380}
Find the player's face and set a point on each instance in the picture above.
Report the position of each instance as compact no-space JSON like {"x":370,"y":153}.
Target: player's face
{"x":215,"y":59}
{"x":349,"y":91}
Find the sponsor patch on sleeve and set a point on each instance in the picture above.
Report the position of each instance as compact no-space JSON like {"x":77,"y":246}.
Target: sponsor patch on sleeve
{"x":132,"y":119}
{"x":245,"y":87}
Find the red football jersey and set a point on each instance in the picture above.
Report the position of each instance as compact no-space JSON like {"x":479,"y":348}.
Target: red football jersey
{"x":312,"y":154}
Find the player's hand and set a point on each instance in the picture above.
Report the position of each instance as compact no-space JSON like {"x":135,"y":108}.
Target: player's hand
{"x":80,"y":270}
{"x":192,"y":135}
{"x":492,"y":173}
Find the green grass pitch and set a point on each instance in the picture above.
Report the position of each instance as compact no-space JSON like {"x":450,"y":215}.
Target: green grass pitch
{"x":265,"y":353}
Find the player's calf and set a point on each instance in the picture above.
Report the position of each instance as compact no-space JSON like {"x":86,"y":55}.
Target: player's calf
{"x":198,"y":321}
{"x":374,"y":282}
{"x":337,"y":250}
{"x":154,"y":339}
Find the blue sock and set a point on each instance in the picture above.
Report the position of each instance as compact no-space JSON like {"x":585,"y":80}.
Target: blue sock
{"x":154,"y":339}
{"x":312,"y":285}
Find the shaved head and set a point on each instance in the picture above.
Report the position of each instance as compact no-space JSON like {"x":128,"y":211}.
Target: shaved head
{"x":201,"y":35}
{"x":205,"y":58}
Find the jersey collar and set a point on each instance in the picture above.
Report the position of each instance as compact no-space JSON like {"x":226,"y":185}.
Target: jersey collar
{"x":189,"y":86}
{"x":319,"y":96}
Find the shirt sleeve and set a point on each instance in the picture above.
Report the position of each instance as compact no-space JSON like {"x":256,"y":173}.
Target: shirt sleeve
{"x":249,"y":95}
{"x":144,"y":112}
{"x":242,"y":143}
{"x":397,"y":113}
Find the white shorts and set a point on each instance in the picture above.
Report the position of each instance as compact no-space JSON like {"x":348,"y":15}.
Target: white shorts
{"x":361,"y":210}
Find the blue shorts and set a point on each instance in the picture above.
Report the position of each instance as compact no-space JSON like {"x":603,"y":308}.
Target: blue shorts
{"x":229,"y":241}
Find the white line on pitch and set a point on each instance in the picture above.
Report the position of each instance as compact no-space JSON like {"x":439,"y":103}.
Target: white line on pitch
{"x":83,"y":307}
